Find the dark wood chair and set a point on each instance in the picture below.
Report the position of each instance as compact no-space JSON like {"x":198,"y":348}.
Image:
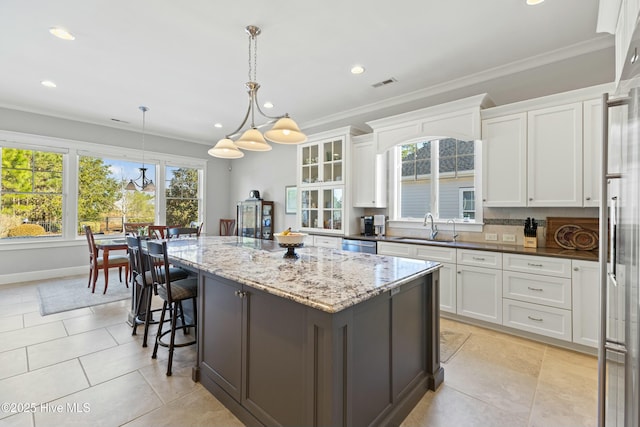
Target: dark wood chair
{"x":176,"y":232}
{"x":173,"y":293}
{"x":195,"y":224}
{"x":97,"y":263}
{"x":227,"y":227}
{"x":157,"y":231}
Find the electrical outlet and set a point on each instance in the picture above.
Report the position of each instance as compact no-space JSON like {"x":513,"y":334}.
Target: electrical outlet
{"x":508,"y":237}
{"x":490,"y":236}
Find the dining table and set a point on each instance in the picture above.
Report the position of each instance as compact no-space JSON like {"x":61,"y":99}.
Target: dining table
{"x":106,"y":246}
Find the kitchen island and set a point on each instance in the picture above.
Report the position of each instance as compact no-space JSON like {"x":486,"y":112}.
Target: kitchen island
{"x":332,"y":338}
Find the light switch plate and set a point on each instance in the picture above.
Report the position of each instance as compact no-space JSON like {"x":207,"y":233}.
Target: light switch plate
{"x":490,"y":236}
{"x":508,"y":237}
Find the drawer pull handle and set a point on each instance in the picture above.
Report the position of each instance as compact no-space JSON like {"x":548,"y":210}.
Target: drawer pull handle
{"x":535,"y":289}
{"x":477,"y":258}
{"x":535,"y":319}
{"x":530,"y":264}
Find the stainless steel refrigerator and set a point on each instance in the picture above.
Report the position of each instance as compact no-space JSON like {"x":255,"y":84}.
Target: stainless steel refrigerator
{"x":618,"y":364}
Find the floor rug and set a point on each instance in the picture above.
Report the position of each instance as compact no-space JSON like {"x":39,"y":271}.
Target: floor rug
{"x":70,"y":293}
{"x":450,"y":343}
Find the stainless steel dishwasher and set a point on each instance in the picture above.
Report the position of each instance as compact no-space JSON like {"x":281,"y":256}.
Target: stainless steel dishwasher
{"x":354,"y":245}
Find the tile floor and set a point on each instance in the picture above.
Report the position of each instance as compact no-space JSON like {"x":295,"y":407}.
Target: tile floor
{"x":87,"y":363}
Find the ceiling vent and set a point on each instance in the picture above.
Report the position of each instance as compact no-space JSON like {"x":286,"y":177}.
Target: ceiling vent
{"x":385,"y":82}
{"x":120,"y":121}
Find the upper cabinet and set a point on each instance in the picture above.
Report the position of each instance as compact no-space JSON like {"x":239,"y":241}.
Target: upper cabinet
{"x":368,"y":174}
{"x":554,"y":156}
{"x":322,"y":181}
{"x":544,"y":157}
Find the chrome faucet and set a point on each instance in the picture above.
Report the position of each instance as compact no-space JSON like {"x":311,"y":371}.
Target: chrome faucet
{"x":434,"y":228}
{"x":454,"y":229}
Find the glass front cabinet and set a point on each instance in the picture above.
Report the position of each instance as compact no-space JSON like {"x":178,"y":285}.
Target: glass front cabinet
{"x":321,"y":183}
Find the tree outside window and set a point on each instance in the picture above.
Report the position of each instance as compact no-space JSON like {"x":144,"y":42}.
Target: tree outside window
{"x":30,"y":193}
{"x":182,"y":196}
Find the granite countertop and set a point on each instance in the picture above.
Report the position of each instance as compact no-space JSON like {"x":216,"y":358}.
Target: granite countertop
{"x":326,"y":279}
{"x":494,"y":247}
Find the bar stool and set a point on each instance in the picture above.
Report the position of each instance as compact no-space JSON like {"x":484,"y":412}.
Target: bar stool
{"x":173,"y":293}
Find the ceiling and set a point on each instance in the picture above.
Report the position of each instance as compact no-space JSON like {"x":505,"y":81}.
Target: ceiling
{"x":188,"y":61}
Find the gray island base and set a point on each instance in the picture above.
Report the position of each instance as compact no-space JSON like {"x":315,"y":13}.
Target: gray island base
{"x":330,"y":339}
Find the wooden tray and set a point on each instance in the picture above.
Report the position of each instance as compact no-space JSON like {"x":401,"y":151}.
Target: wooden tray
{"x":554,"y":223}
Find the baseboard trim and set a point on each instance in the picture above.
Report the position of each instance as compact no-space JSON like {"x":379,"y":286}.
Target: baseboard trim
{"x":29,"y":276}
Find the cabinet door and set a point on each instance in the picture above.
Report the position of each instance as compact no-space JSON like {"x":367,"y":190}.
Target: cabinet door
{"x":504,"y":161}
{"x":368,"y":184}
{"x":332,"y":208}
{"x":479,"y":293}
{"x":448,"y":300}
{"x":221,"y":322}
{"x":554,"y":156}
{"x":592,"y":146}
{"x":586,"y":302}
{"x":332,"y":153}
{"x":309,"y":199}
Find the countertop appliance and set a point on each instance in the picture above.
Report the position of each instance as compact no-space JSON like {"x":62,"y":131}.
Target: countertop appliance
{"x":379,"y":225}
{"x":619,"y":346}
{"x":354,"y":245}
{"x":366,"y":225}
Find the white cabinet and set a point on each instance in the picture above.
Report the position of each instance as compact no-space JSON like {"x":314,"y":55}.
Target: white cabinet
{"x":554,"y":156}
{"x":446,"y":256}
{"x":322,"y":182}
{"x":504,"y":155}
{"x":592,"y":149}
{"x":369,"y":174}
{"x":537,"y":295}
{"x":479,"y":289}
{"x":327,"y":242}
{"x":586,"y":302}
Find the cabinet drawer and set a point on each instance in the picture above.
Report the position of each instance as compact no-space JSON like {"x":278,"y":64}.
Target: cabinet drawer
{"x":539,"y":265}
{"x":536,"y":288}
{"x":327,"y":242}
{"x":394,"y":249}
{"x":479,"y":258}
{"x":435,"y":253}
{"x":538,"y":319}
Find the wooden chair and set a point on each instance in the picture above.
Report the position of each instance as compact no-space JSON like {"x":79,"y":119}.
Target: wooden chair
{"x":227,"y":227}
{"x":97,"y":263}
{"x":176,"y":232}
{"x":173,"y":293}
{"x":157,"y":231}
{"x":194,"y":224}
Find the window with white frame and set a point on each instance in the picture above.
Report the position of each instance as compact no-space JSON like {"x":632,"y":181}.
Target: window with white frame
{"x":183,"y":196}
{"x":431,"y":177}
{"x":31,"y":193}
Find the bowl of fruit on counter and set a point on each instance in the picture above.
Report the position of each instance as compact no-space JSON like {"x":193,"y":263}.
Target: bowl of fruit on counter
{"x":290,"y":240}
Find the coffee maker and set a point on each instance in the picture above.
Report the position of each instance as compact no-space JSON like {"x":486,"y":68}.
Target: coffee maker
{"x":366,"y":225}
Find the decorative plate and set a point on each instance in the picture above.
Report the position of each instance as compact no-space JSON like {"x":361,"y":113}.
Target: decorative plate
{"x":564,"y":234}
{"x":585,"y":240}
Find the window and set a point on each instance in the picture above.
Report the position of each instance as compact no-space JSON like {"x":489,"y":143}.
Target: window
{"x":30,"y":193}
{"x":182,"y":195}
{"x":104,"y":203}
{"x":432,"y":176}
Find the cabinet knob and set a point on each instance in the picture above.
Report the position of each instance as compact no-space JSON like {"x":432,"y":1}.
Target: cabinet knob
{"x":531,"y":199}
{"x":484,"y":200}
{"x":576,"y":269}
{"x":459,"y":272}
{"x":588,"y":198}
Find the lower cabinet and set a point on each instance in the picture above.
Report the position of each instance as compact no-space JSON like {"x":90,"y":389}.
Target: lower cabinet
{"x":479,"y":293}
{"x":448,"y":291}
{"x":586,"y":302}
{"x":539,"y":319}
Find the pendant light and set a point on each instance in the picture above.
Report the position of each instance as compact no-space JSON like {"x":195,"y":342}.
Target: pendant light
{"x":145,"y":183}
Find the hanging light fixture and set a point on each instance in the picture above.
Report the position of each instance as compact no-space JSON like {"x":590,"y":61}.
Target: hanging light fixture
{"x":284,"y":131}
{"x":145,"y":183}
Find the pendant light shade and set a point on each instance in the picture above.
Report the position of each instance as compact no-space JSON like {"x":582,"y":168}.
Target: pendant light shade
{"x":253,"y":140}
{"x":285,"y":131}
{"x":225,"y":149}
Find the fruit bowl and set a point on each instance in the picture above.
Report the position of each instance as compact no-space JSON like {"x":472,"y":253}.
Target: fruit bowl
{"x":290,"y":238}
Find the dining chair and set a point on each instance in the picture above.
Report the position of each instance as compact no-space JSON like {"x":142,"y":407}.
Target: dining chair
{"x":173,"y":293}
{"x":157,"y":231}
{"x":97,"y":263}
{"x":227,"y":227}
{"x":195,"y":224}
{"x":175,"y":232}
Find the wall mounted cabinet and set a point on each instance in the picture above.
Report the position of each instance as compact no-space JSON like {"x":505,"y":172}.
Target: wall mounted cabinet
{"x":369,"y":174}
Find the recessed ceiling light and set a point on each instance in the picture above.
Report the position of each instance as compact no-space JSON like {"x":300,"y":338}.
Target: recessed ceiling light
{"x":217,"y":125}
{"x":534,"y":2}
{"x":61,"y":33}
{"x":48,"y":83}
{"x":267,"y":105}
{"x":357,"y":69}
